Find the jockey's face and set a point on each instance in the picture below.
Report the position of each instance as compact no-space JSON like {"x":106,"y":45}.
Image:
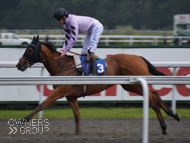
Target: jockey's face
{"x":62,"y":21}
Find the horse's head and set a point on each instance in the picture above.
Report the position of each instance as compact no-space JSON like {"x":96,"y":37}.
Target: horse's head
{"x":31,"y":55}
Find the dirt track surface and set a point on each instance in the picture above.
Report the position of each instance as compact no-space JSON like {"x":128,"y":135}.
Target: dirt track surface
{"x":125,"y":130}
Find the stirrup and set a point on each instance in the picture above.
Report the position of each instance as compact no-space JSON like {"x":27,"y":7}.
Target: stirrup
{"x":92,"y":74}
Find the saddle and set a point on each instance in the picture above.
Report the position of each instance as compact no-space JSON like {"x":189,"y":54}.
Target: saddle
{"x":83,"y":65}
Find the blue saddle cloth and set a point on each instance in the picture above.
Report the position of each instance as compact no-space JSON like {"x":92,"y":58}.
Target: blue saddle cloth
{"x":100,"y":65}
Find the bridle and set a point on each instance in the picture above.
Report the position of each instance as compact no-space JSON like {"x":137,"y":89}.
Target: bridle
{"x":30,"y":55}
{"x":35,"y":58}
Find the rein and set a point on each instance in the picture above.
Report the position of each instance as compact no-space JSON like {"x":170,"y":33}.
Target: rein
{"x":71,"y":52}
{"x":55,"y":58}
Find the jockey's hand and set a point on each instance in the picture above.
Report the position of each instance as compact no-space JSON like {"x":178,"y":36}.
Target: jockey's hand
{"x":63,"y":55}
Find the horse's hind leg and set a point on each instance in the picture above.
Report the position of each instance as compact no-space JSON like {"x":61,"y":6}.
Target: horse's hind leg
{"x":74,"y":105}
{"x":165,"y":107}
{"x":154,"y":101}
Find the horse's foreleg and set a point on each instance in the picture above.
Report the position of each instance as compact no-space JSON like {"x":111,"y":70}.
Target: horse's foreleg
{"x":49,"y":100}
{"x":74,"y":105}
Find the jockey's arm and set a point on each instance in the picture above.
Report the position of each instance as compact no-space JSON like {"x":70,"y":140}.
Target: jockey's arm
{"x":71,"y":36}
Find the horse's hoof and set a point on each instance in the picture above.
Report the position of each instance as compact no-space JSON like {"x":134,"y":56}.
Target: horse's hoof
{"x":20,"y":122}
{"x":77,"y":133}
{"x":164,"y":130}
{"x":177,"y":117}
{"x":164,"y":133}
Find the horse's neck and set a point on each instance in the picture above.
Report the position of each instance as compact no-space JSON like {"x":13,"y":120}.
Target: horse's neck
{"x":53,"y":66}
{"x":47,"y":56}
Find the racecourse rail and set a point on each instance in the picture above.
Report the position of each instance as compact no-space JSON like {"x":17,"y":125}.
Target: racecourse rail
{"x":81,"y":80}
{"x":107,"y":39}
{"x":174,"y":65}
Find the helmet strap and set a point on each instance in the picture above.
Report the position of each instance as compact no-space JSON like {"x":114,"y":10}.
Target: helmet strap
{"x":64,"y":19}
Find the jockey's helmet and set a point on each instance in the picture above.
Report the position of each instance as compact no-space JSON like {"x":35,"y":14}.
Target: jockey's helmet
{"x":60,"y":12}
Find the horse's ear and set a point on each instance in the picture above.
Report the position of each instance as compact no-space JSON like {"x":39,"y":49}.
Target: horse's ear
{"x":36,"y":40}
{"x":37,"y":37}
{"x":33,"y":39}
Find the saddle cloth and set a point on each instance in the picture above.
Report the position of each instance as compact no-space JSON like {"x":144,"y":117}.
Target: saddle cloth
{"x":86,"y":65}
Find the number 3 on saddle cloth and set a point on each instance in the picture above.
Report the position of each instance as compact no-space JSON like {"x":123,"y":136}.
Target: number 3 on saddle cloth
{"x":83,"y":65}
{"x":86,"y":65}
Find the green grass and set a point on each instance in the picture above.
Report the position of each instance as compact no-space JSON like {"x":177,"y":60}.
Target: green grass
{"x":88,"y":113}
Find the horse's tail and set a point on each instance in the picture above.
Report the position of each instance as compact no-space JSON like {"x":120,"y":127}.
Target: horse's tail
{"x":151,"y":68}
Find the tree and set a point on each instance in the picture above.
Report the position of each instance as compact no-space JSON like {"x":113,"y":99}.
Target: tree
{"x":140,"y":14}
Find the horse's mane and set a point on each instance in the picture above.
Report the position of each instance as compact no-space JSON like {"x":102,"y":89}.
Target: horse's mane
{"x":50,"y":46}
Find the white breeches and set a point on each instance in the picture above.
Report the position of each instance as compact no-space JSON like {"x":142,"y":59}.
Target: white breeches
{"x":92,"y":38}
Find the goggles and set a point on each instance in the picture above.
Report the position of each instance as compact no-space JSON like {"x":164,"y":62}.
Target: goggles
{"x":58,"y":18}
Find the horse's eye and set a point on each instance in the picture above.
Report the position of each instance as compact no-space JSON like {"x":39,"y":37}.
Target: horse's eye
{"x":30,"y":51}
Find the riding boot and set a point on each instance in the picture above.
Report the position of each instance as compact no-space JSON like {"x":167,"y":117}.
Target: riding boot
{"x":93,"y":66}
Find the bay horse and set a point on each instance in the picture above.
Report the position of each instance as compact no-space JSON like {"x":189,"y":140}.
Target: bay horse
{"x":119,"y":64}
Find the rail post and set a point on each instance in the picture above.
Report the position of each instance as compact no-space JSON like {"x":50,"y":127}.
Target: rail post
{"x":145,"y":109}
{"x":40,"y":114}
{"x":174,"y":93}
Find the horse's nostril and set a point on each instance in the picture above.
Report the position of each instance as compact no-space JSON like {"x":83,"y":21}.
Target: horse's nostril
{"x":19,"y":67}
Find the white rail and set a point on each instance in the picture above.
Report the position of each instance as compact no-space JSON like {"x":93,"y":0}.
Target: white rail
{"x":107,"y":39}
{"x":174,"y":65}
{"x":45,"y":31}
{"x":80,"y":80}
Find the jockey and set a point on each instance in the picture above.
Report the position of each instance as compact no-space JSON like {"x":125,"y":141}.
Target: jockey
{"x":74,"y":25}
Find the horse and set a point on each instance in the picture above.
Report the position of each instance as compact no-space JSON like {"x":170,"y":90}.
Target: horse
{"x":119,"y":64}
